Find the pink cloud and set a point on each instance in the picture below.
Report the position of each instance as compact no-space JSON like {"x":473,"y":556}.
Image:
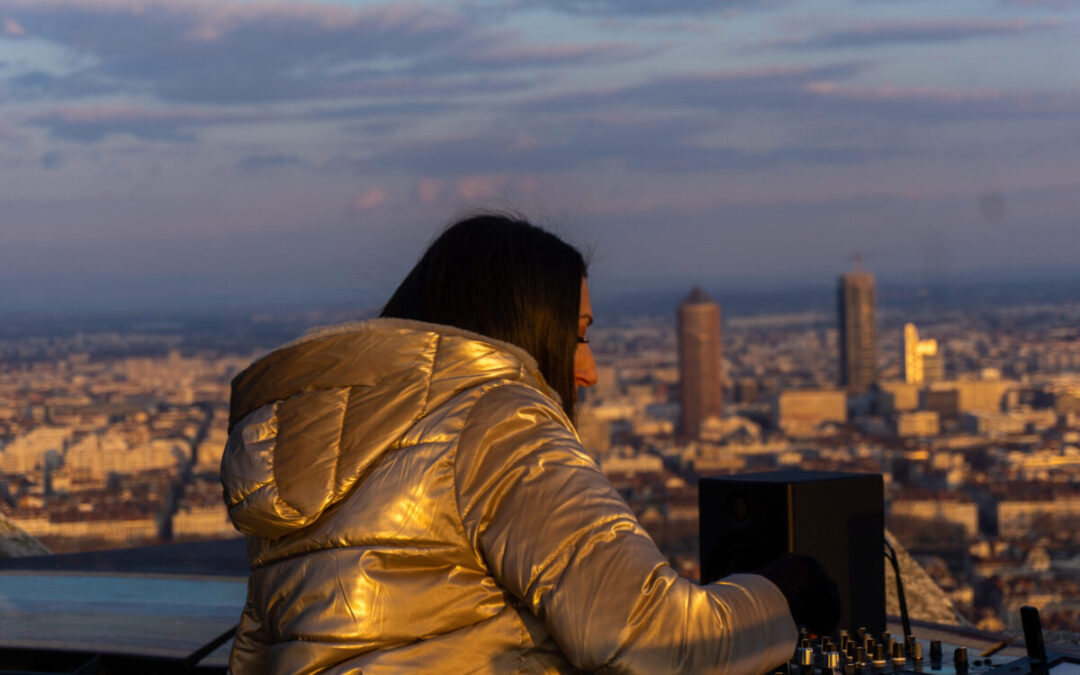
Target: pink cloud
{"x":478,"y":187}
{"x":13,"y":28}
{"x":429,"y":190}
{"x":370,"y":198}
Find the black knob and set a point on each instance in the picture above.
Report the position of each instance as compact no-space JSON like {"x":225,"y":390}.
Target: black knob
{"x":860,"y":654}
{"x":909,"y":645}
{"x":898,"y":652}
{"x":960,"y":655}
{"x":862,"y":633}
{"x":935,"y":650}
{"x":885,"y":635}
{"x":879,"y":655}
{"x":870,"y":645}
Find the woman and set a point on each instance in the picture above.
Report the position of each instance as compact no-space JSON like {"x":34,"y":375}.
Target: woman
{"x":417,"y":500}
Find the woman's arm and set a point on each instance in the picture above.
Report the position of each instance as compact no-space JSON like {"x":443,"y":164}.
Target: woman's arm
{"x":556,"y":534}
{"x":250,"y":646}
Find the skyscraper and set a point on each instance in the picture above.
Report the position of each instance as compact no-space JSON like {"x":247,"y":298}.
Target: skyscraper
{"x":858,"y":331}
{"x":701,"y":392}
{"x":922,"y":361}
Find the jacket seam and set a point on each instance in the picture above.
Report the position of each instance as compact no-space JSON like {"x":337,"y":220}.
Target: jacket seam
{"x":454,"y":478}
{"x":492,"y":386}
{"x":430,"y":377}
{"x":340,"y":446}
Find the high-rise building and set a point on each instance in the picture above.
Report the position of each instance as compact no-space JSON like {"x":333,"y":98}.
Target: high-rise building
{"x":933,"y":366}
{"x":922,"y":361}
{"x":858,"y":331}
{"x":701,"y":391}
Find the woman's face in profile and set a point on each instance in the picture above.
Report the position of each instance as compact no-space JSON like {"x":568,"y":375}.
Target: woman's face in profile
{"x":584,"y":364}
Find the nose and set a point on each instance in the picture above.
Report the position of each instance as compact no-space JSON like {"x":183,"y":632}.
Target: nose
{"x":584,"y":366}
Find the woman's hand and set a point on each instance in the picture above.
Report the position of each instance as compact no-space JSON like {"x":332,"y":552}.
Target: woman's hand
{"x":812,"y":596}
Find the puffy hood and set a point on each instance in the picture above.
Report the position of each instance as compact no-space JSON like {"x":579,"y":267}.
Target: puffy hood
{"x":307,"y":420}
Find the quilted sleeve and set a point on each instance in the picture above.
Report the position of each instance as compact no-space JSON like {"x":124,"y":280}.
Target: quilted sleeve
{"x":554,"y":532}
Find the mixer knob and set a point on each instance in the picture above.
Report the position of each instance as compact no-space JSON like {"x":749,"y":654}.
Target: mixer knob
{"x":897,"y":653}
{"x":915,"y":654}
{"x":862,"y":633}
{"x":869,"y":644}
{"x":804,"y":656}
{"x":960,"y":656}
{"x":832,"y":660}
{"x":909,"y":644}
{"x":879,"y":655}
{"x":885,"y":635}
{"x":935,"y":650}
{"x":860,"y":655}
{"x":849,"y":668}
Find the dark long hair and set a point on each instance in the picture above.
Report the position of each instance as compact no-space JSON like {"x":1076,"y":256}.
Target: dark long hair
{"x":505,"y":278}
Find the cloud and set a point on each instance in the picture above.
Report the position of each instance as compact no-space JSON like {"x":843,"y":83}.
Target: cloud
{"x":370,"y":198}
{"x":232,"y":52}
{"x":429,"y":190}
{"x":38,"y":84}
{"x":52,"y":160}
{"x":7,"y":131}
{"x":12,"y":28}
{"x":1057,"y":5}
{"x":514,"y":56}
{"x":262,"y":163}
{"x":944,"y":103}
{"x":696,"y":123}
{"x":796,"y":94}
{"x":478,"y":187}
{"x":882,"y":33}
{"x":672,"y":144}
{"x":94,"y":123}
{"x":646,"y":8}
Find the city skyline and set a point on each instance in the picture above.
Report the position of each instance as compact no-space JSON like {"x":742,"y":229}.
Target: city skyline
{"x":678,"y":141}
{"x":112,"y":438}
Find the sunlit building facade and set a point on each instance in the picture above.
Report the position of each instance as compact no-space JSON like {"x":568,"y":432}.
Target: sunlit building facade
{"x":923,"y":362}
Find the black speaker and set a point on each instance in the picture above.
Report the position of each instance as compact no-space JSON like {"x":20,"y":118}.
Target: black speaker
{"x":746,"y":521}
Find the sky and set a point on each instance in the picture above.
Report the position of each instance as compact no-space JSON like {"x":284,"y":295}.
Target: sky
{"x":187,"y":153}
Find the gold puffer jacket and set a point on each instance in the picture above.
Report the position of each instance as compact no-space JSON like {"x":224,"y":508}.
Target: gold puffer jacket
{"x":416,"y":501}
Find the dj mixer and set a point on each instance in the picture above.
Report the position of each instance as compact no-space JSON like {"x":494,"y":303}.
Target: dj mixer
{"x":861,"y":653}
